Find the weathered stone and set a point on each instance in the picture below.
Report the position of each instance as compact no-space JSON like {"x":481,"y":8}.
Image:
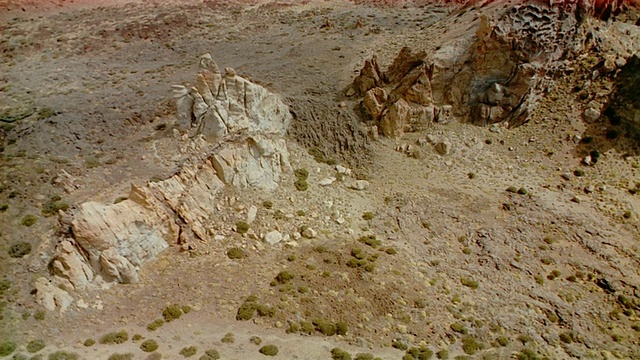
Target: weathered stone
{"x":443,"y":147}
{"x":309,"y":233}
{"x":369,"y":77}
{"x":69,"y":264}
{"x":251,"y":214}
{"x":273,"y":237}
{"x":590,"y":115}
{"x":360,"y":185}
{"x":374,"y":101}
{"x":50,"y":296}
{"x":394,"y":119}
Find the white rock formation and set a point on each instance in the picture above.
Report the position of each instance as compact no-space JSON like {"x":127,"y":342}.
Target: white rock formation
{"x":237,"y":138}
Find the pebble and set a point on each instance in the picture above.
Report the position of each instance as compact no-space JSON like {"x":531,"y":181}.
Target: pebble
{"x":326,"y":181}
{"x":360,"y":185}
{"x":309,"y":233}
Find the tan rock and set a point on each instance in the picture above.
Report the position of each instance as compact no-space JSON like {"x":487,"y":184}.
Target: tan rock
{"x":394,"y":119}
{"x":374,"y":101}
{"x":50,"y":296}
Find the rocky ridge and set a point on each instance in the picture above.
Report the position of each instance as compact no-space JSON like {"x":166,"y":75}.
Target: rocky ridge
{"x":236,"y":138}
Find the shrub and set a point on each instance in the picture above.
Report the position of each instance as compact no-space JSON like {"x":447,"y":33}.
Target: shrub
{"x":268,"y":204}
{"x":265,"y":310}
{"x":242,"y":227}
{"x":339,"y":354}
{"x":301,"y":174}
{"x":172,"y":312}
{"x":155,"y":324}
{"x":228,"y":338}
{"x":136,"y":337}
{"x":188,"y":351}
{"x":54,"y":205}
{"x":269,"y":350}
{"x":211,"y":354}
{"x":459,"y":328}
{"x":301,"y":185}
{"x":470,"y":345}
{"x":120,"y":199}
{"x":119,"y":337}
{"x":502,"y":341}
{"x":35,"y":345}
{"x":325,"y":327}
{"x":370,"y":240}
{"x":40,"y":315}
{"x":306,"y":327}
{"x":256,"y":340}
{"x":284,"y":277}
{"x":566,"y":337}
{"x":522,"y":191}
{"x":28,"y":220}
{"x":399,"y":344}
{"x":246,"y":310}
{"x":186,"y":309}
{"x":20,"y":249}
{"x":4,"y":207}
{"x":235,"y":253}
{"x":127,"y":356}
{"x":368,"y":215}
{"x":468,"y":282}
{"x":391,"y":251}
{"x":578,"y":172}
{"x":63,"y":355}
{"x":512,"y":189}
{"x":342,"y":328}
{"x":149,"y":345}
{"x":89,"y":342}
{"x":443,"y":354}
{"x":7,"y":348}
{"x":420,"y":353}
{"x":364,"y":356}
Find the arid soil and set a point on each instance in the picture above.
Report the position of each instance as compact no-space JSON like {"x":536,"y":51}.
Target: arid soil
{"x":447,"y":259}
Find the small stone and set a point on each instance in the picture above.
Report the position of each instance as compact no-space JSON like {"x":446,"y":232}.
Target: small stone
{"x":590,"y":115}
{"x":577,"y":139}
{"x":587,"y":160}
{"x":448,"y":162}
{"x":309,"y":233}
{"x":340,"y":220}
{"x":251,"y":214}
{"x":273,"y":237}
{"x":443,"y":147}
{"x":82,"y":304}
{"x":360,"y":185}
{"x":343,"y":170}
{"x":296,"y":235}
{"x":218,"y":237}
{"x":589,"y":189}
{"x":566,"y":176}
{"x":326,"y":181}
{"x":292,"y":244}
{"x":576,"y":199}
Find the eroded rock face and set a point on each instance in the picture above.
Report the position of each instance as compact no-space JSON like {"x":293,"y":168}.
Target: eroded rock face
{"x":624,"y":104}
{"x":496,"y":76}
{"x":236,"y":129}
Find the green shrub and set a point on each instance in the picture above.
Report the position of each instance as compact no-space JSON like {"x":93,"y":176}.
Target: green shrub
{"x":35,"y":345}
{"x":265,"y":310}
{"x":420,"y":353}
{"x":7,"y":348}
{"x":459,"y":328}
{"x":28,"y":220}
{"x":4,"y":207}
{"x":268,"y":204}
{"x":391,"y":251}
{"x":39,"y":315}
{"x":468,"y":282}
{"x":342,"y":328}
{"x":399,"y":344}
{"x":235,"y":253}
{"x":188,"y":351}
{"x":186,"y":309}
{"x":325,"y":327}
{"x":54,"y":205}
{"x":228,"y":338}
{"x":20,"y":249}
{"x":306,"y":327}
{"x":502,"y":341}
{"x":172,"y":312}
{"x":284,"y":277}
{"x":155,"y":324}
{"x":119,"y":337}
{"x":512,"y":189}
{"x":443,"y":354}
{"x":470,"y":345}
{"x":127,"y":356}
{"x":247,"y":309}
{"x":89,"y":342}
{"x":269,"y":350}
{"x":242,"y":227}
{"x":368,"y":215}
{"x":301,"y":185}
{"x":136,"y":337}
{"x":566,"y":337}
{"x":211,"y":354}
{"x":339,"y":354}
{"x":63,"y":355}
{"x":370,"y":240}
{"x":527,"y":354}
{"x":364,"y":356}
{"x":358,"y":253}
{"x":301,"y":174}
{"x":149,"y":345}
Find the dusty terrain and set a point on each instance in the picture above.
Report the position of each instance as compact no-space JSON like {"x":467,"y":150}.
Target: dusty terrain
{"x":462,"y":265}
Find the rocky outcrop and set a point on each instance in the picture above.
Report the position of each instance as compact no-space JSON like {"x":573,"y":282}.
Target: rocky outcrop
{"x":236,"y":138}
{"x":624,"y":103}
{"x":496,"y":74}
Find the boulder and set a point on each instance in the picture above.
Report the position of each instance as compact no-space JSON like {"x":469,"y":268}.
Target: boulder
{"x":273,"y":237}
{"x":394,"y":119}
{"x":50,"y":296}
{"x":374,"y":101}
